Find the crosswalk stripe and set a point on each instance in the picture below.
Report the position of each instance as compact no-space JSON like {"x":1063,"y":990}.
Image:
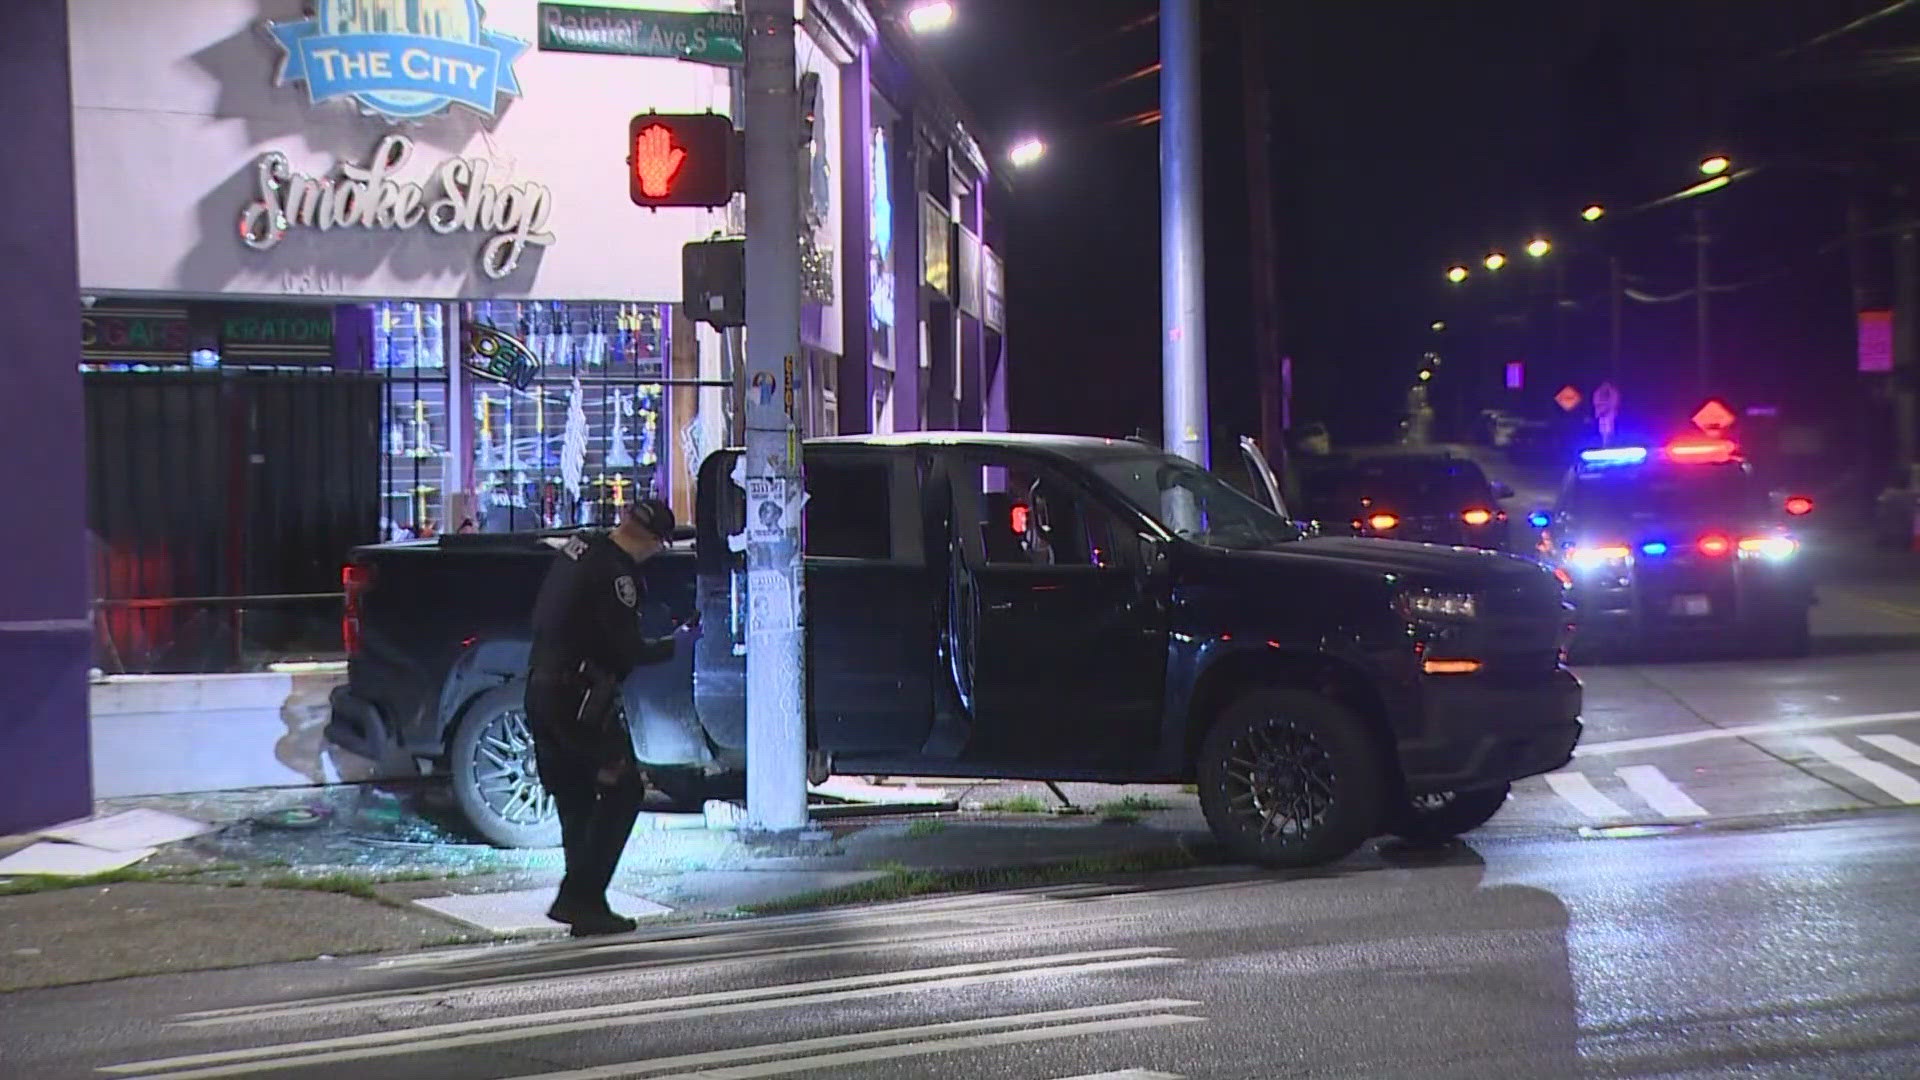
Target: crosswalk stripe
{"x":1739,"y":731}
{"x":1578,"y":790}
{"x":798,"y":1048}
{"x":779,"y":926}
{"x":572,"y":979}
{"x":565,"y":1021}
{"x":1904,"y":749}
{"x":1881,"y":775}
{"x":1662,"y":794}
{"x":851,"y":1058}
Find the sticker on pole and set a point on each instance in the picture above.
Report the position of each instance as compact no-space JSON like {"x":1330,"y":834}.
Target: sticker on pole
{"x":1568,"y":399}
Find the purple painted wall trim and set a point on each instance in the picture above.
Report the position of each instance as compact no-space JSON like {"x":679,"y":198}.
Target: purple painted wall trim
{"x":856,"y":216}
{"x":45,"y":636}
{"x":908,"y":304}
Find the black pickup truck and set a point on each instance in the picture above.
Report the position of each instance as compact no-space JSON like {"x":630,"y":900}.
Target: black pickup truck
{"x":1013,"y":606}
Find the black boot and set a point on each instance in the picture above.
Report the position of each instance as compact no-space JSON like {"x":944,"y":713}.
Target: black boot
{"x":602,"y":922}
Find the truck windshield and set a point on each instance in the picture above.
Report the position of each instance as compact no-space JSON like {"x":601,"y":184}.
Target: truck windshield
{"x":1191,"y":502}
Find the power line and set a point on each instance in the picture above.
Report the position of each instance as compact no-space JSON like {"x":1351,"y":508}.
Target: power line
{"x":1841,"y":31}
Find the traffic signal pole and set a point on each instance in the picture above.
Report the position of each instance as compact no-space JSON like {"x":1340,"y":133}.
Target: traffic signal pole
{"x":776,"y":620}
{"x":1183,"y":315}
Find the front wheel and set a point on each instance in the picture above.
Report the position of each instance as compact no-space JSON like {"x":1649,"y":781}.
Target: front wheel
{"x":496,"y":781}
{"x":1444,"y":815}
{"x":1290,"y":779}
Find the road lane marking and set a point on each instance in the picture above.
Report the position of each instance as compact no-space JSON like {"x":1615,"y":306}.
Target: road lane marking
{"x":1128,"y":1074}
{"x":851,"y":1058}
{"x":1881,"y":775}
{"x":509,"y":1028}
{"x":915,"y":1034}
{"x":774,"y":926}
{"x":1739,"y":731}
{"x":1662,"y":794}
{"x":1901,"y":748}
{"x":567,"y":978}
{"x":1578,"y":790}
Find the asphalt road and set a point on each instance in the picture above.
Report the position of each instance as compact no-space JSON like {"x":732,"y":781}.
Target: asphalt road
{"x":1724,"y":881}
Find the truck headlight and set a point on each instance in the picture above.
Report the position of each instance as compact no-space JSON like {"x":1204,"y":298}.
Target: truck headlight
{"x":1431,"y":606}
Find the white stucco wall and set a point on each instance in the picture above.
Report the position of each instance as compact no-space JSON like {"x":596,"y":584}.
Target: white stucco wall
{"x":175,"y":101}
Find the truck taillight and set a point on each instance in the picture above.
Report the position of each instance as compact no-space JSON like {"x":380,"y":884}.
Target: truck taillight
{"x":355,"y":580}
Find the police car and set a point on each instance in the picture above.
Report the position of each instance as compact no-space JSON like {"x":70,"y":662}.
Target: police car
{"x":1682,"y":543}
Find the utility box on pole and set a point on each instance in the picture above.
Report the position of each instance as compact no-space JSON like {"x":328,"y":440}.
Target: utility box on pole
{"x":771,"y":470}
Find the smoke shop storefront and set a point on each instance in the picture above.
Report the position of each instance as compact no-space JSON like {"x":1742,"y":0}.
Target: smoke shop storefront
{"x":356,"y":270}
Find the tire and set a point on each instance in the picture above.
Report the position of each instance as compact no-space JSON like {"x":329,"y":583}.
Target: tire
{"x":1313,"y":760}
{"x":495,"y":783}
{"x":1433,"y":818}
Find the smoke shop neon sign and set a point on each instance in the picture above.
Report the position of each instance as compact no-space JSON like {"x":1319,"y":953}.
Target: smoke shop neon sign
{"x":461,"y":197}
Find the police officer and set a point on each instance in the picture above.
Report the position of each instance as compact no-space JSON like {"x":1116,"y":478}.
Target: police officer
{"x":586,"y":638}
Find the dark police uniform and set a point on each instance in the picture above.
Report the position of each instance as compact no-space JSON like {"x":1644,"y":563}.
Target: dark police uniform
{"x":586,"y":638}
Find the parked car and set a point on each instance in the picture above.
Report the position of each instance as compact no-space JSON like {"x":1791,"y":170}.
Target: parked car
{"x":1022,"y":607}
{"x":1435,"y":498}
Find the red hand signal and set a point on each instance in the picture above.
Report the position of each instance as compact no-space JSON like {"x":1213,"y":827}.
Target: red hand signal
{"x":656,"y":161}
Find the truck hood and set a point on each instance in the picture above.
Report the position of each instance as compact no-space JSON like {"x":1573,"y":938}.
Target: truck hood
{"x":1509,"y":582}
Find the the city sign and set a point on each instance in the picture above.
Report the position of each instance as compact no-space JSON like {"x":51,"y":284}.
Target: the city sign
{"x":709,"y":37}
{"x":1568,"y":399}
{"x":399,"y":59}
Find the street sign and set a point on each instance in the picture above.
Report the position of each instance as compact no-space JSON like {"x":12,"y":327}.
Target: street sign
{"x":1714,"y":417}
{"x":1568,"y":399}
{"x":1606,"y":410}
{"x":702,"y":37}
{"x":1876,"y":341}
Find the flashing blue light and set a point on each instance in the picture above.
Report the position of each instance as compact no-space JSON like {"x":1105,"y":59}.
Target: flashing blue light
{"x":1615,"y":455}
{"x":1539,"y":519}
{"x":1654,"y":547}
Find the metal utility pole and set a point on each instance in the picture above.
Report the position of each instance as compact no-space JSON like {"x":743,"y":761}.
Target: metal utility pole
{"x":1183,"y":316}
{"x":1266,"y":289}
{"x":1703,"y":355}
{"x":776,"y":613}
{"x":1906,"y":349}
{"x":1617,"y":297}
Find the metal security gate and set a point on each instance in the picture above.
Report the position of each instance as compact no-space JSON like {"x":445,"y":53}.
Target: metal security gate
{"x":221,"y":504}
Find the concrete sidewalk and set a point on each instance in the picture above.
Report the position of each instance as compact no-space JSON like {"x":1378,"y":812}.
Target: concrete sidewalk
{"x":375,"y":870}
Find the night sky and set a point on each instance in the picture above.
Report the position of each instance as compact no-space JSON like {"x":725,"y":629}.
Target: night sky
{"x":1410,"y":135}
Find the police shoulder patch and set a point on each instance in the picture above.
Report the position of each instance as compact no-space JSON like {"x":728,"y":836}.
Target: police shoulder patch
{"x":624,"y":588}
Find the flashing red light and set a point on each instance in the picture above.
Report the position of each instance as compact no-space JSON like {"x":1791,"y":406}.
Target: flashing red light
{"x":1715,"y":545}
{"x":1799,"y":505}
{"x":1699,"y":451}
{"x":1019,"y":519}
{"x":1477,"y":516}
{"x":1382,"y":522}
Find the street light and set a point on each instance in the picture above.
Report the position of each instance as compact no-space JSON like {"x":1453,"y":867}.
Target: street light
{"x":1438,"y":325}
{"x":1593,"y":212}
{"x":1496,"y":260}
{"x":1026,"y":152}
{"x":1538,"y":247}
{"x":1425,"y":375}
{"x":1456,"y":273}
{"x":931,"y":17}
{"x":1715,"y":165}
